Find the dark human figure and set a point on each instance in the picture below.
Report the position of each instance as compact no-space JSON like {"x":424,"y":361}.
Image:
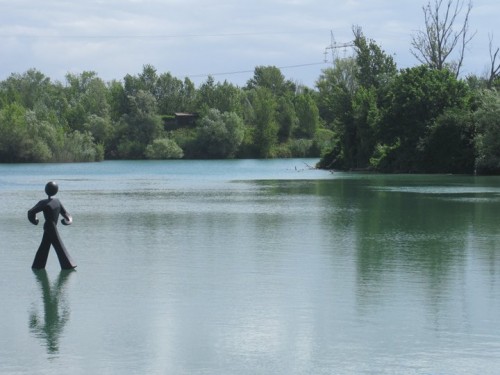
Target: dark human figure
{"x":56,"y":310}
{"x":51,"y":208}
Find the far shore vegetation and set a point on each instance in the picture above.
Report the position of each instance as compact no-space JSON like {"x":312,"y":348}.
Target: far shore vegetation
{"x":363,"y":113}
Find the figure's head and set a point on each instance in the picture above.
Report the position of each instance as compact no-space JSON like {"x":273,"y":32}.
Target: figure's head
{"x":51,"y":188}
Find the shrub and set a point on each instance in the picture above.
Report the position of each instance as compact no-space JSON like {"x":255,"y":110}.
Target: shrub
{"x":163,"y":148}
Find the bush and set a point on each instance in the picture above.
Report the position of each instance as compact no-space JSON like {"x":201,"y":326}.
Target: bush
{"x":79,"y":147}
{"x":186,"y":140}
{"x":163,"y":148}
{"x":295,"y":148}
{"x":448,"y":146}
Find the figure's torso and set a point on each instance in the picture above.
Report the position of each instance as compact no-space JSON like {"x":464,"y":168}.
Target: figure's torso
{"x":51,"y":210}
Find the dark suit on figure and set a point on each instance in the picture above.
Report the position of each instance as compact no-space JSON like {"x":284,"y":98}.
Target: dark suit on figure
{"x":51,"y":208}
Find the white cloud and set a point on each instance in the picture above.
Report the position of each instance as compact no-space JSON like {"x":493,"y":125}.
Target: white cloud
{"x":189,"y":37}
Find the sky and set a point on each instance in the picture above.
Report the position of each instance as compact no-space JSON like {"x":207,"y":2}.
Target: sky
{"x":223,"y":38}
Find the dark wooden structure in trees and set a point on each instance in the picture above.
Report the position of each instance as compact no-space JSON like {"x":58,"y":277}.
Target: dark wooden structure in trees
{"x":179,"y":120}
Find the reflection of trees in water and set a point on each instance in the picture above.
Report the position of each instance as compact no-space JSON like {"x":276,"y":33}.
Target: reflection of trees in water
{"x":56,"y":310}
{"x":393,"y":229}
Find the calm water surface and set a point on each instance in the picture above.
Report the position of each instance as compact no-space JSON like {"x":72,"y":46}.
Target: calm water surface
{"x":251,"y":267}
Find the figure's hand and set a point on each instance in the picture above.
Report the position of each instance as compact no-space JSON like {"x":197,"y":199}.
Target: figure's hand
{"x":33,"y":219}
{"x":68,"y":220}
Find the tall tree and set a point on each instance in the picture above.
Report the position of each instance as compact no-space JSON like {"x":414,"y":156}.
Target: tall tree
{"x":174,"y":95}
{"x":140,"y":127}
{"x":264,"y":121}
{"x":272,"y":79}
{"x":350,"y":95}
{"x":225,"y":97}
{"x":145,"y":81}
{"x":87,"y":95}
{"x":286,"y":117}
{"x":336,"y":87}
{"x":308,"y":116}
{"x":374,"y":66}
{"x":444,"y":34}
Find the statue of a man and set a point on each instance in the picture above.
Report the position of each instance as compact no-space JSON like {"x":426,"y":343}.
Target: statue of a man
{"x":51,"y":208}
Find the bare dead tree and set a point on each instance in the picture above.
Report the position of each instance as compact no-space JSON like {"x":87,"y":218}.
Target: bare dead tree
{"x":434,"y":46}
{"x":495,"y":66}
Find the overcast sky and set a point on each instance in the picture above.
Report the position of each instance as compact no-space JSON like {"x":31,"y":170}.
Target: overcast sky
{"x":225,"y":38}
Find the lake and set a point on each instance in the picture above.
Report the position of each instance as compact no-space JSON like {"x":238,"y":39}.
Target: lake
{"x":251,"y":267}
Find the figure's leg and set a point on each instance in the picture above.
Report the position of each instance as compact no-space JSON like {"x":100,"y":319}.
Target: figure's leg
{"x":42,"y":253}
{"x":62,"y":254}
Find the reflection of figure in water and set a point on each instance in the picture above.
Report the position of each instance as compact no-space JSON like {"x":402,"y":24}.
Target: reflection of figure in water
{"x":55,"y":318}
{"x":51,"y":208}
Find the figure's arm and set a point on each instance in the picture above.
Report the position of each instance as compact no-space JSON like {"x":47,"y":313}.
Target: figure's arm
{"x":68,"y":220}
{"x":32,"y":213}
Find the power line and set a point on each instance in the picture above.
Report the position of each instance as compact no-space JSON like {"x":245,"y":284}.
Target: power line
{"x":251,"y":71}
{"x":154,"y":36}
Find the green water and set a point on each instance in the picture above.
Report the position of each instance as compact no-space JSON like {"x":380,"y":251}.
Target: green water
{"x":251,"y":267}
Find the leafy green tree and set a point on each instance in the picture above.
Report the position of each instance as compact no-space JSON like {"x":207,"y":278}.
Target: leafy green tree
{"x":286,"y":117}
{"x":374,"y":66}
{"x":87,"y":95}
{"x":224,"y":97}
{"x":487,"y":138}
{"x":139,"y":127}
{"x":271,"y":78}
{"x":27,"y":89}
{"x":336,"y":103}
{"x":148,"y":79}
{"x":350,"y":99}
{"x":206,"y":96}
{"x":307,"y":115}
{"x":375,"y":71}
{"x":101,"y":128}
{"x":26,"y":138}
{"x":448,"y":146}
{"x":14,"y":135}
{"x":173,"y":95}
{"x":220,"y":134}
{"x":366,"y":119}
{"x":145,"y":81}
{"x":45,"y":137}
{"x":188,"y":96}
{"x":117,"y":100}
{"x":23,"y":138}
{"x":336,"y":87}
{"x":229,"y":98}
{"x":416,"y":98}
{"x":265,"y":127}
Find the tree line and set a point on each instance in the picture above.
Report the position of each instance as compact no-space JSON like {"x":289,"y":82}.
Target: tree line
{"x":87,"y":119}
{"x":363,"y":113}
